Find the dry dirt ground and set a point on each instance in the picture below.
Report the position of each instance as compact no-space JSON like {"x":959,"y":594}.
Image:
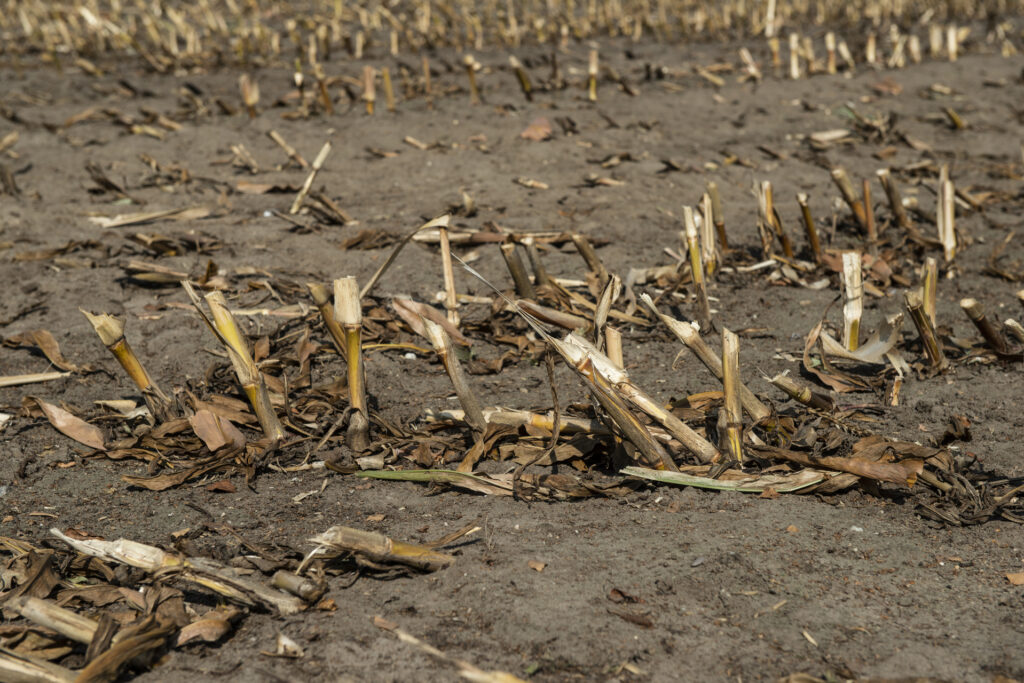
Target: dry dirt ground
{"x":727,"y":586}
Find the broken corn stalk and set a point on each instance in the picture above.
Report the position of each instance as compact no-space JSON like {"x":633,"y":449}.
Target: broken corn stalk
{"x":111,"y":332}
{"x":223,"y":325}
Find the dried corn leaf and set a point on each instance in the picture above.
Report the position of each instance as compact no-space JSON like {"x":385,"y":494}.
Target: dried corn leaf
{"x":874,"y":350}
{"x":731,"y":480}
{"x":187,"y":214}
{"x":216,"y":431}
{"x":45,"y":342}
{"x":209,"y":629}
{"x":525,"y":486}
{"x":836,"y":379}
{"x":70,"y":426}
{"x":904,"y":472}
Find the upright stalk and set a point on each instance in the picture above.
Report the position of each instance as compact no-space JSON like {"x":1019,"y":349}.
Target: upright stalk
{"x":349,"y":313}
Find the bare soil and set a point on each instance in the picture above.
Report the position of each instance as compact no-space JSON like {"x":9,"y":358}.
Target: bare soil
{"x":726,"y":586}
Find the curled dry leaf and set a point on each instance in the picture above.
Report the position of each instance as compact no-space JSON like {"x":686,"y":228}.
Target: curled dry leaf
{"x":875,"y":349}
{"x":207,"y":630}
{"x":904,"y":472}
{"x":835,"y":379}
{"x":73,"y":427}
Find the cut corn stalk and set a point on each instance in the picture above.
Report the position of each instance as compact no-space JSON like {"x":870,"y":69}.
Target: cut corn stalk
{"x":929,"y":287}
{"x":377,"y":548}
{"x":592,"y":76}
{"x":250,"y":94}
{"x":369,"y":88}
{"x":224,"y":327}
{"x":389,"y":89}
{"x":288,"y":149}
{"x":307,"y":185}
{"x":801,"y":392}
{"x":111,"y":332}
{"x":945,"y":214}
{"x":471,"y":66}
{"x":794,"y":56}
{"x":589,"y":254}
{"x":915,"y":306}
{"x":731,"y":384}
{"x":1015,"y":328}
{"x":568,"y":424}
{"x":687,"y":334}
{"x":696,"y":267}
{"x":451,"y":299}
{"x":540,"y":274}
{"x":577,"y":351}
{"x":892,"y":193}
{"x":853,"y":299}
{"x":869,"y":213}
{"x":809,"y":227}
{"x":719,"y":218}
{"x":830,"y":50}
{"x":443,"y":346}
{"x":993,"y":337}
{"x":842,"y":181}
{"x":524,"y":287}
{"x":349,"y":314}
{"x":322,"y":298}
{"x":522,"y":76}
{"x":708,"y":250}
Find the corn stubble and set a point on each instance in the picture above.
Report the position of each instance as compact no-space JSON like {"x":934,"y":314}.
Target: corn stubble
{"x":624,"y":432}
